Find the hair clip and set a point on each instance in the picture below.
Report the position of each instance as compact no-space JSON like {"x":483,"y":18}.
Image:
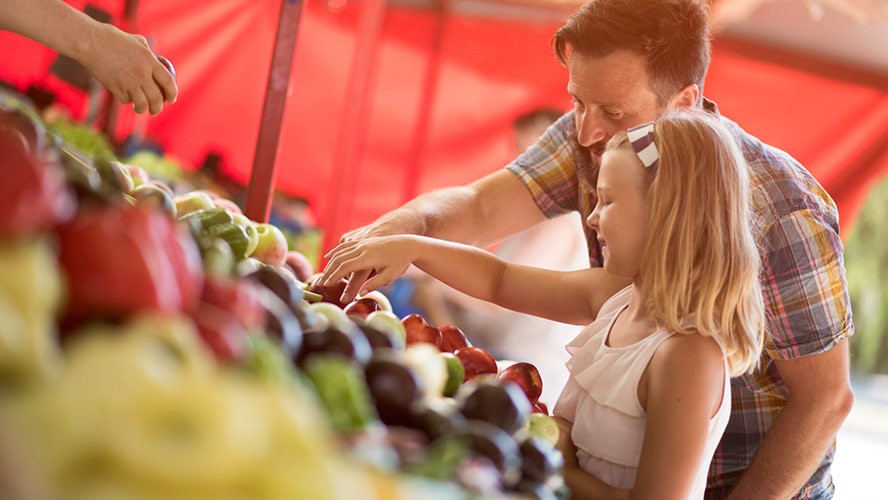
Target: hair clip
{"x":642,"y":140}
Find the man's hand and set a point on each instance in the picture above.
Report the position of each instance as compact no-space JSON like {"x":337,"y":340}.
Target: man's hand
{"x":125,"y":66}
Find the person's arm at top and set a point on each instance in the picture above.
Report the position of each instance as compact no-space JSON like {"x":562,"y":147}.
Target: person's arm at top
{"x":569,"y":297}
{"x":121,"y":62}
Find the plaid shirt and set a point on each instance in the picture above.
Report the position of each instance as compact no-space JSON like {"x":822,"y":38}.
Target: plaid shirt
{"x":796,"y":226}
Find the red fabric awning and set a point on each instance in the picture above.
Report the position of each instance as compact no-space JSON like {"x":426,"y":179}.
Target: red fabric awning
{"x":833,"y":120}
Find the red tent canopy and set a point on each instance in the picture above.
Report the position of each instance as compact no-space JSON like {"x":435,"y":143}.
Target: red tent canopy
{"x":484,"y":71}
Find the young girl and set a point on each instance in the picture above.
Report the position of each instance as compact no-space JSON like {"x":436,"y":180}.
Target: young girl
{"x":648,"y":396}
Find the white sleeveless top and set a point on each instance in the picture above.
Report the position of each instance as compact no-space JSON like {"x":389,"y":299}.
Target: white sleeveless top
{"x":601,"y":400}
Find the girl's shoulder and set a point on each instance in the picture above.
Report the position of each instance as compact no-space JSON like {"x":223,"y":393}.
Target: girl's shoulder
{"x":683,"y":358}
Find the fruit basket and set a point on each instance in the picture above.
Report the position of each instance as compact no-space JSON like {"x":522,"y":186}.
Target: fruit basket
{"x":161,"y":346}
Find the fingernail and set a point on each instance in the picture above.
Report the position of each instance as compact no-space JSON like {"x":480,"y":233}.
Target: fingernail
{"x":344,"y":298}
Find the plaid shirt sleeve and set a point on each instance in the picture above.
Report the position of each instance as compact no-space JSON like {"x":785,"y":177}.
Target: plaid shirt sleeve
{"x":547,"y":170}
{"x":804,"y":286}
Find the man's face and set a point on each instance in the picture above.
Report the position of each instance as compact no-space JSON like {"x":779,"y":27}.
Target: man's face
{"x":610,"y":94}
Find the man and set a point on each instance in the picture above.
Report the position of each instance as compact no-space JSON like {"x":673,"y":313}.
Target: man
{"x":629,"y":61}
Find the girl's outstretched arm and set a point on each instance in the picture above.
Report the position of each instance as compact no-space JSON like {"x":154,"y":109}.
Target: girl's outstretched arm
{"x":569,"y":297}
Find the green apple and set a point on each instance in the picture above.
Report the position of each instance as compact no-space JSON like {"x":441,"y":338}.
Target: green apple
{"x":334,"y":315}
{"x":249,"y":228}
{"x":272,"y":246}
{"x":543,"y":426}
{"x":387,"y":322}
{"x":192,"y":202}
{"x":426,"y":361}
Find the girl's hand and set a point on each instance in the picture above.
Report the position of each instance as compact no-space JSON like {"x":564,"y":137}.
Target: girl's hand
{"x":387,"y":257}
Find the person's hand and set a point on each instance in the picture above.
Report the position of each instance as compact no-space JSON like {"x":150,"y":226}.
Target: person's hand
{"x":391,"y":224}
{"x":386,"y":257}
{"x":125,"y":66}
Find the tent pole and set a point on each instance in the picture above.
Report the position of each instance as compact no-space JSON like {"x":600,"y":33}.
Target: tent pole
{"x":355,"y":115}
{"x":262,"y":177}
{"x":426,"y":105}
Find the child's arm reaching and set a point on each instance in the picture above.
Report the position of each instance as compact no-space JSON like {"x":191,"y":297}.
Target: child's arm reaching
{"x":570,"y":297}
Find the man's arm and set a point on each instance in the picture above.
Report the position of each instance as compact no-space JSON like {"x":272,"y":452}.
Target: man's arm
{"x":121,"y":62}
{"x":479,"y":214}
{"x":820,"y":398}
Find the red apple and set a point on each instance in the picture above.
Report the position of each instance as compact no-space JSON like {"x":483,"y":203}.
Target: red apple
{"x":527,"y":377}
{"x":419,"y":331}
{"x":138,"y":174}
{"x":240,"y":297}
{"x":33,"y":193}
{"x":222,"y":333}
{"x":329,"y":293}
{"x":540,"y":407}
{"x":300,"y":265}
{"x":272,"y":246}
{"x":476,"y":361}
{"x":362,"y":307}
{"x":452,"y":338}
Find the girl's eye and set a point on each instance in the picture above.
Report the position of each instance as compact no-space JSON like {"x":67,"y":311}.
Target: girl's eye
{"x":613,"y":115}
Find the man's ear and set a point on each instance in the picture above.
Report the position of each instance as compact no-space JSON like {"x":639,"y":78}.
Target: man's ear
{"x":686,"y":98}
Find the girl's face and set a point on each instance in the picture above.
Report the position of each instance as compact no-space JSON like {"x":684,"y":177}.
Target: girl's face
{"x":620,"y":218}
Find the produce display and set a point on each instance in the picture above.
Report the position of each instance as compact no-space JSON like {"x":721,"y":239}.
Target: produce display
{"x":161,"y":346}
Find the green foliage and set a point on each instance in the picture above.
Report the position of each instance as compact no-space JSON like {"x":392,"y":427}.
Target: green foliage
{"x":84,"y":138}
{"x":866,"y":261}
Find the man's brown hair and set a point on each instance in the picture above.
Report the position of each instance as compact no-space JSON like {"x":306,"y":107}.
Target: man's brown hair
{"x":671,"y":35}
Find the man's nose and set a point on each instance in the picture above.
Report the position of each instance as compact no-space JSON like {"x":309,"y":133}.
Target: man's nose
{"x":590,"y":130}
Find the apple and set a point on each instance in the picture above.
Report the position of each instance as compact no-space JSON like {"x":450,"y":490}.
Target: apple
{"x":335,"y":316}
{"x":384,"y":304}
{"x":138,"y":174}
{"x":222,"y":332}
{"x":540,"y":461}
{"x":543,"y":426}
{"x":476,"y":361}
{"x":272,"y":246}
{"x":418,"y":330}
{"x":163,"y":185}
{"x":540,"y":407}
{"x":149,"y":195}
{"x":240,"y":297}
{"x":452,"y":338}
{"x":300,"y":265}
{"x":456,"y":373}
{"x":429,"y":366}
{"x":527,"y":377}
{"x":249,"y":228}
{"x":501,"y":404}
{"x":362,"y":307}
{"x":115,"y":175}
{"x":34,"y":195}
{"x":331,"y":293}
{"x":227,"y":205}
{"x":387,"y":321}
{"x":192,"y":202}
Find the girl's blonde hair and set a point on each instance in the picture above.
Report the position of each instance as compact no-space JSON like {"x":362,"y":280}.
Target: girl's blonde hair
{"x":701,"y":267}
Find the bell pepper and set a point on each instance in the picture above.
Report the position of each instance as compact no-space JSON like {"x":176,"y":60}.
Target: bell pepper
{"x":120,"y":260}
